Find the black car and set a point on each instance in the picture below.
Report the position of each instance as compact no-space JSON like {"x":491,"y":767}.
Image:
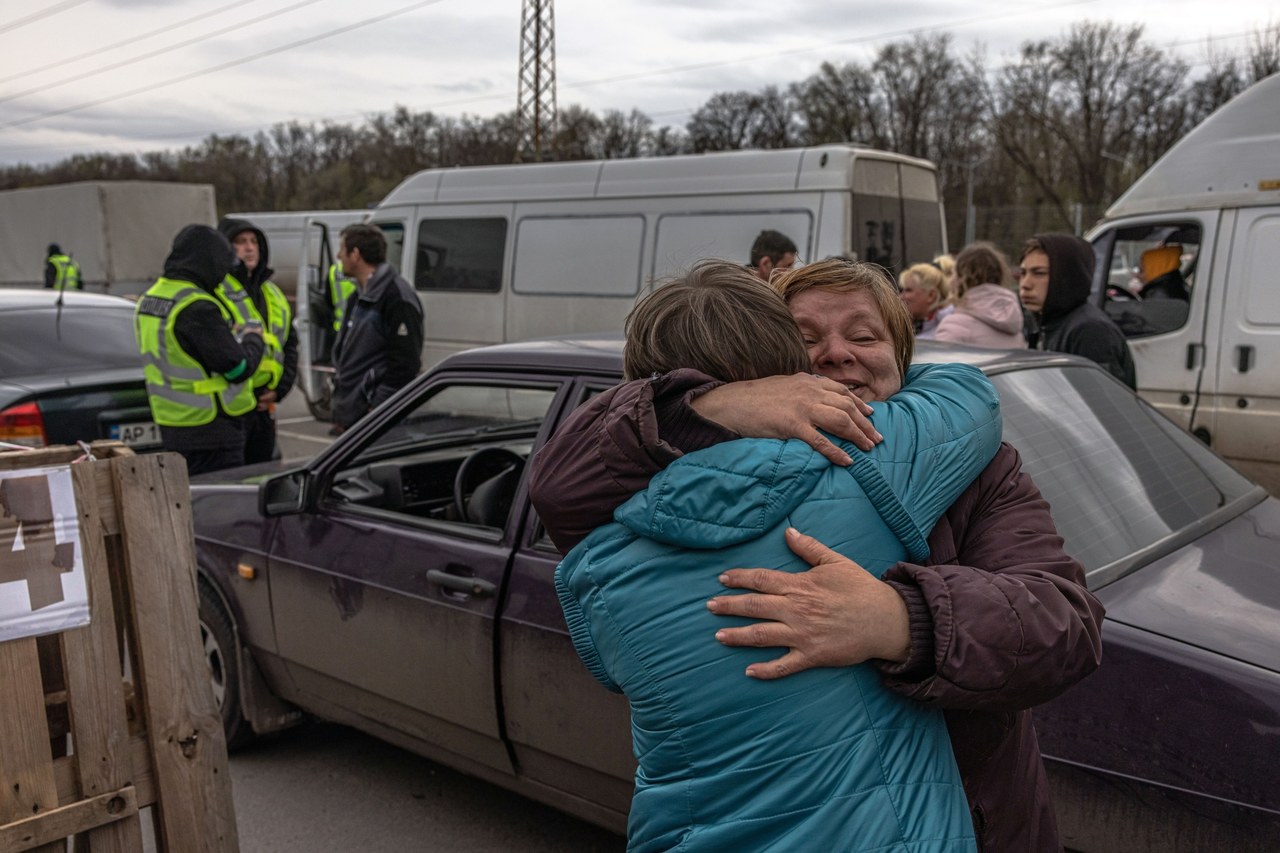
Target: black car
{"x":70,"y":370}
{"x":400,"y":582}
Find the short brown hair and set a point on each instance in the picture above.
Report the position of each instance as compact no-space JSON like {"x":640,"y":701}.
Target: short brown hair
{"x":1033,"y":244}
{"x":980,"y":263}
{"x":369,"y":239}
{"x":717,"y":318}
{"x":840,"y":275}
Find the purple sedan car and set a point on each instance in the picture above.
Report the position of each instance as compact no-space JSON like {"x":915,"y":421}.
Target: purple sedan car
{"x":401,"y":583}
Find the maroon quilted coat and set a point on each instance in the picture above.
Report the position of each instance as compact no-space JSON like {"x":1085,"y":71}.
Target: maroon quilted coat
{"x":1000,"y":617}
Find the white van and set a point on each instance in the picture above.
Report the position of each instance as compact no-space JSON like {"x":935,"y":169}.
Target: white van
{"x":508,"y":253}
{"x":1210,"y":362}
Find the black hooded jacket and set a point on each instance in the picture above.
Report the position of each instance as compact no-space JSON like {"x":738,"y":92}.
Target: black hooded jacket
{"x":252,"y":281}
{"x":1069,"y":322}
{"x":203,"y":257}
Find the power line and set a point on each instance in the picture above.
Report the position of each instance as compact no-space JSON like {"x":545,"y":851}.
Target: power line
{"x":159,"y":52}
{"x":223,"y":66}
{"x":124,"y":42}
{"x":41,"y":15}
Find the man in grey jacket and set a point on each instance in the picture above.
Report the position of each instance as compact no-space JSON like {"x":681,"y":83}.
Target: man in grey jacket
{"x":379,"y":347}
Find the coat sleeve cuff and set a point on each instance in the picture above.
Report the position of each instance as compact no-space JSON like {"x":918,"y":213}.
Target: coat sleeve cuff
{"x":919,"y":664}
{"x":678,"y":424}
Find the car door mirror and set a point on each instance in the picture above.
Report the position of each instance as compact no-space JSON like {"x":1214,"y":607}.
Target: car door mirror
{"x":284,"y":494}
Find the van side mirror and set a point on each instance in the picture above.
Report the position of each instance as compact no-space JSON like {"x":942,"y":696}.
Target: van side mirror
{"x":284,"y":494}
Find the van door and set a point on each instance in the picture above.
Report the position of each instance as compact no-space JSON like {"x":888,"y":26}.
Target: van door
{"x":1166,"y":335}
{"x":1245,"y":424}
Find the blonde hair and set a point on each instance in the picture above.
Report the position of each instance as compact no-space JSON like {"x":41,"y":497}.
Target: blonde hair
{"x":719,"y":319}
{"x":928,"y":277}
{"x":980,"y":263}
{"x":839,"y":275}
{"x":946,"y":263}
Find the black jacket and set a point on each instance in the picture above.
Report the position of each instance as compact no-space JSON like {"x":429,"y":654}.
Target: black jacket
{"x":379,"y":348}
{"x":202,"y":256}
{"x":1069,"y":322}
{"x":252,"y":282}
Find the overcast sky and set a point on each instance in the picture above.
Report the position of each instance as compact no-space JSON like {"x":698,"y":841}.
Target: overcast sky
{"x":243,"y":65}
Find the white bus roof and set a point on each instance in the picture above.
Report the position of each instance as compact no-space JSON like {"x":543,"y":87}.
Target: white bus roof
{"x":1231,"y":159}
{"x":819,"y":168}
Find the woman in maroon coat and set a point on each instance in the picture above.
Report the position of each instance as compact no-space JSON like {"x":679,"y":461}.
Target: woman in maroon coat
{"x":999,"y":619}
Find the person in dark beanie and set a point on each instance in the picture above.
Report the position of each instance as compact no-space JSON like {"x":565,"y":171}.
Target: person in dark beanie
{"x":254,"y":300}
{"x":198,"y":367}
{"x":1055,"y":274}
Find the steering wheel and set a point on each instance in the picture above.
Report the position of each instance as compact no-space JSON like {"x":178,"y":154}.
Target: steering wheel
{"x":483,"y":467}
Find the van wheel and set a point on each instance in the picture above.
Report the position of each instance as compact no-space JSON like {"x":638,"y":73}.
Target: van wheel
{"x":220,"y":653}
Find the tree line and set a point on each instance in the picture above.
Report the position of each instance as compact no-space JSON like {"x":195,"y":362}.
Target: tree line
{"x":1063,"y":127}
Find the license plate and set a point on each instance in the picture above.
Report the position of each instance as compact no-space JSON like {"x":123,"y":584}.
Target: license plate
{"x":137,"y":435}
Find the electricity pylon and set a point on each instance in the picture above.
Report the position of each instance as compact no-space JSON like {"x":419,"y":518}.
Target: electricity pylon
{"x":536,"y":106}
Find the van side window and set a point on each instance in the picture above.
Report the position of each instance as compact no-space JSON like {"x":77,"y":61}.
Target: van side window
{"x":460,"y":254}
{"x":394,"y":232}
{"x":1151,"y":271}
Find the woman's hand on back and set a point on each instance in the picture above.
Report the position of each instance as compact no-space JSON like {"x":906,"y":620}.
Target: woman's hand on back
{"x":795,"y":406}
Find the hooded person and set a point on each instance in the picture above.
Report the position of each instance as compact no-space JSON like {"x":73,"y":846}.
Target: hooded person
{"x":1054,"y":281}
{"x":197,"y":366}
{"x":253,"y":299}
{"x":61,"y":272}
{"x":987,"y":313}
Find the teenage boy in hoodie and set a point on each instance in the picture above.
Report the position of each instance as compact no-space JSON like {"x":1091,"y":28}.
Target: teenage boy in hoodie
{"x":1055,"y":277}
{"x":198,"y":370}
{"x":256,"y":302}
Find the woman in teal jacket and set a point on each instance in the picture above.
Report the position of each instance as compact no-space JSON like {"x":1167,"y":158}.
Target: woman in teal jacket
{"x":827,"y":759}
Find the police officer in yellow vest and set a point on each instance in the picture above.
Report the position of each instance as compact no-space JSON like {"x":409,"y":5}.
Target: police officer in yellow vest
{"x":341,"y":286}
{"x":61,"y":272}
{"x":198,"y":363}
{"x":252,"y":297}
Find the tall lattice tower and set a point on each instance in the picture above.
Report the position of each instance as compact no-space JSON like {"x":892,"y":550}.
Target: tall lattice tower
{"x":536,"y":107}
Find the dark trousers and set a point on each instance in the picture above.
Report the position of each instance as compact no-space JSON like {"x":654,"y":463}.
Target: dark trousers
{"x":259,"y":437}
{"x":214,"y":459}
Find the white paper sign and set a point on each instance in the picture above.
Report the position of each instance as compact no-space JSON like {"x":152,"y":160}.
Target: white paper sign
{"x":42,"y":582}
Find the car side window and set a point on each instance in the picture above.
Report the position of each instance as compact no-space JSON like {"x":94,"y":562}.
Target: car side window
{"x":1151,"y":273}
{"x":457,"y":455}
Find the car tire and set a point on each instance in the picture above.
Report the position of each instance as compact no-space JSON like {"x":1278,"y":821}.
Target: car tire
{"x":221,"y":653}
{"x":321,"y":406}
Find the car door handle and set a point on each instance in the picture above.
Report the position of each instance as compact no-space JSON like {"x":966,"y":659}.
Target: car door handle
{"x":1193,"y":355}
{"x":1244,"y":358}
{"x":471,"y":586}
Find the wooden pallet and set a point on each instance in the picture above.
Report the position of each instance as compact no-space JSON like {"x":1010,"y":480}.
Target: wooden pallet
{"x":98,"y":722}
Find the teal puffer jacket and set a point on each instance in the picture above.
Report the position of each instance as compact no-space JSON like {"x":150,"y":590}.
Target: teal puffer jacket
{"x":826,"y":760}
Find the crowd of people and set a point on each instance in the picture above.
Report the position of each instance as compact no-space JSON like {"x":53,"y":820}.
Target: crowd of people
{"x":220,"y":347}
{"x":887,"y":596}
{"x":899,"y":563}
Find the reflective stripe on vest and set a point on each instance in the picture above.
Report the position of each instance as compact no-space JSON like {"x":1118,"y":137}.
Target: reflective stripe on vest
{"x":181,"y":392}
{"x":340,"y":290}
{"x":66,"y":272}
{"x":275,"y":328}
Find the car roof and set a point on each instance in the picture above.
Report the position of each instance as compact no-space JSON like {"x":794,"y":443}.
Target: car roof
{"x":602,"y":353}
{"x":32,"y":297}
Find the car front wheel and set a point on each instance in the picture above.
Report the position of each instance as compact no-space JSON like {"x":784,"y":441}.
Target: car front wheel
{"x":220,"y":653}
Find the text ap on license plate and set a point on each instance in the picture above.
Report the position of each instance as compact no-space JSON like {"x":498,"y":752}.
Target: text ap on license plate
{"x":136,"y":435}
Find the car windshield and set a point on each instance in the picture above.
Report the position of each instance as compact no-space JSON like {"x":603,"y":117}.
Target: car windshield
{"x":36,"y":341}
{"x":1119,"y":477}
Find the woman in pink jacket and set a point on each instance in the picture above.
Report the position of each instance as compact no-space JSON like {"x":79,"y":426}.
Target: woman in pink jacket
{"x":987,"y":313}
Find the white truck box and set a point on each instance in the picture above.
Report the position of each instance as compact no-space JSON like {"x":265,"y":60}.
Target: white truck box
{"x":118,"y":231}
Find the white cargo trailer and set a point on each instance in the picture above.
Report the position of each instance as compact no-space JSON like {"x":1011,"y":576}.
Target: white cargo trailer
{"x":118,"y":231}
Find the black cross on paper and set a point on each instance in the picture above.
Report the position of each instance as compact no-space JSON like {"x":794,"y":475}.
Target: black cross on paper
{"x":26,"y":508}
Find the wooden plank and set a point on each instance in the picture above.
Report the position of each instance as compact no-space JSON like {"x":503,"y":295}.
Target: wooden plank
{"x":68,"y":775}
{"x":83,"y":816}
{"x":12,"y":460}
{"x":95,"y":689}
{"x":27,"y":785}
{"x":189,"y":755}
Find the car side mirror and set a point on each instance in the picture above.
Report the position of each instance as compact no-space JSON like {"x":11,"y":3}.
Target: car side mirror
{"x":284,"y":494}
